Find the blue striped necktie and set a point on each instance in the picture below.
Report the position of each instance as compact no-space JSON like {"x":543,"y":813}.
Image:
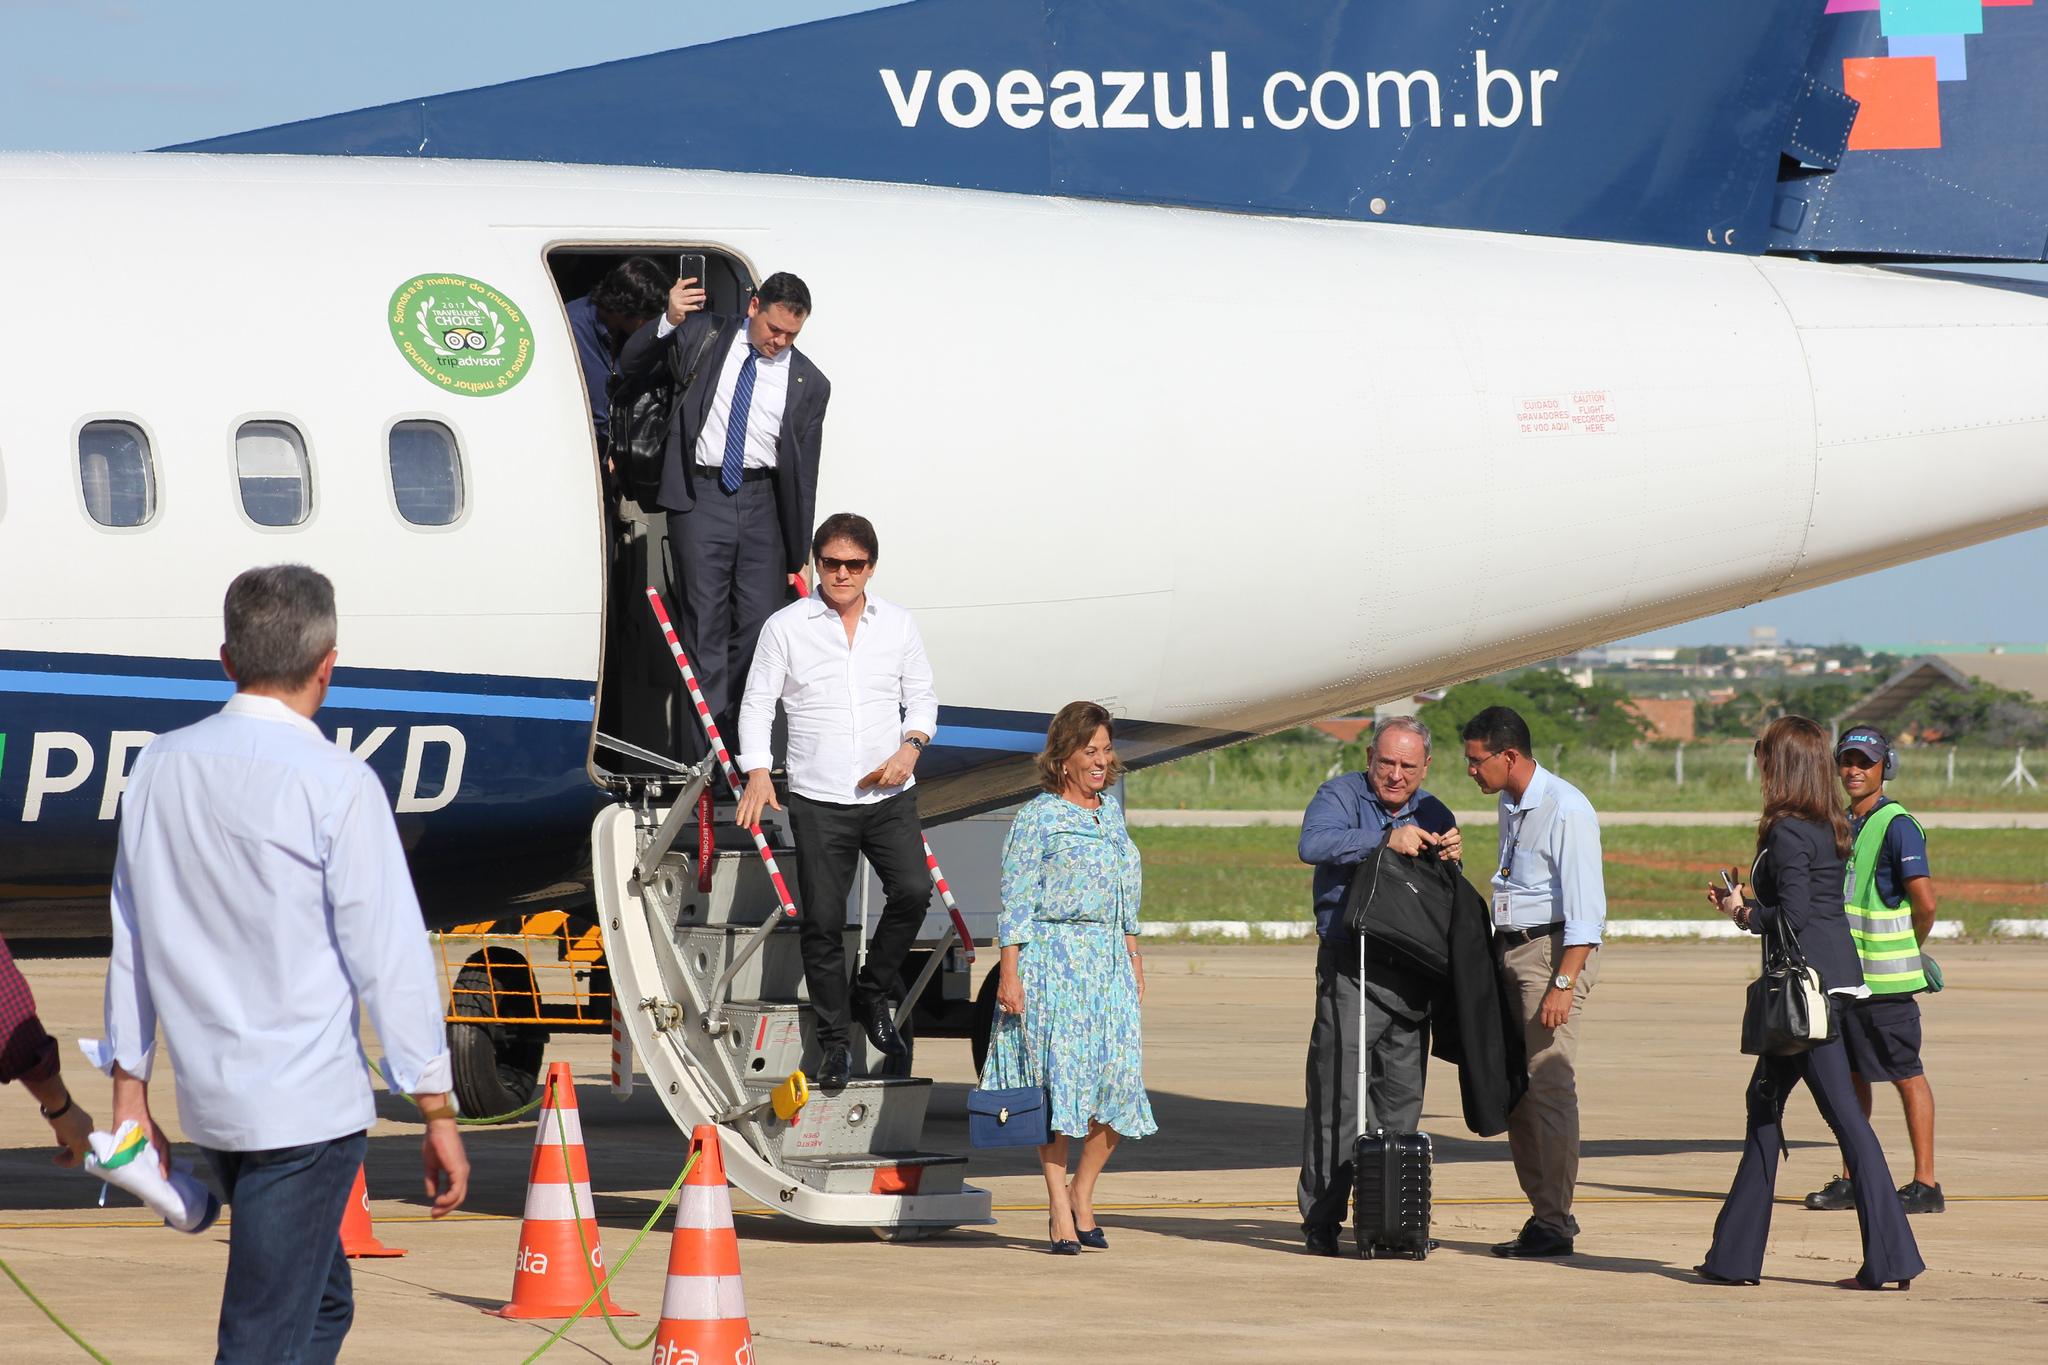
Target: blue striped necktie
{"x":736,"y":424}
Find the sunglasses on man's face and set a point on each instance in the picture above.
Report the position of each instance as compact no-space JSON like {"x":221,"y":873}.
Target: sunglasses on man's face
{"x":830,"y":565}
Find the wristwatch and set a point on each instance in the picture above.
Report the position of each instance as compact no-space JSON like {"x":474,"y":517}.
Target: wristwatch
{"x":914,"y":742}
{"x":1561,"y":982}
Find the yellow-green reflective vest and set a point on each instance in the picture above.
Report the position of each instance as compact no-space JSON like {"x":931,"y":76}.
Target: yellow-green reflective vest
{"x":1884,"y":936}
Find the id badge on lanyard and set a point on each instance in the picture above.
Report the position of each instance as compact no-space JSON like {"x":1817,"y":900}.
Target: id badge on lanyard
{"x":1500,"y":894}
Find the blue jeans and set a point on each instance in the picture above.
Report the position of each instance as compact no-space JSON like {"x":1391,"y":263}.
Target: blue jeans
{"x":288,"y":1299}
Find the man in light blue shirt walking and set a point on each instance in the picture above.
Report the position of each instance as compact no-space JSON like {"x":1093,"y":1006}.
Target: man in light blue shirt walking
{"x":260,"y":891}
{"x":1549,"y":908}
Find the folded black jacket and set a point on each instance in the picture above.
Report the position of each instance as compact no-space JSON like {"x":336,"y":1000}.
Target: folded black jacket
{"x":1424,"y":915}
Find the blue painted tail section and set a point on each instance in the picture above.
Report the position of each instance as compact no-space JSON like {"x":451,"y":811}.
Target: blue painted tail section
{"x":1603,"y":119}
{"x":1950,"y":153}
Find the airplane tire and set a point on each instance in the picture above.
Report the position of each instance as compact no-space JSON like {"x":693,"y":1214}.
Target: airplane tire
{"x":497,"y":1066}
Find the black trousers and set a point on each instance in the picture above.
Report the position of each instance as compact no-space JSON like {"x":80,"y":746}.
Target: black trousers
{"x":1744,"y":1225}
{"x":1397,"y":1044}
{"x":731,"y":577}
{"x":829,"y":839}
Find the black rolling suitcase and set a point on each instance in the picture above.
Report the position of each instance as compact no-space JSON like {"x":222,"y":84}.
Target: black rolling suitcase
{"x":1390,"y":1171}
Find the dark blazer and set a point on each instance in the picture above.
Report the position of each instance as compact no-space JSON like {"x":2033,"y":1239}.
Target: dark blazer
{"x":1798,"y":877}
{"x":796,"y":447}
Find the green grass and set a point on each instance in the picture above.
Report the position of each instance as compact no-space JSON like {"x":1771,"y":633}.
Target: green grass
{"x":1283,"y":771}
{"x":1652,"y":872}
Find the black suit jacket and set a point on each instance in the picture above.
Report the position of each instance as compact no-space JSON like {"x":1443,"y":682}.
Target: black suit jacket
{"x":1798,"y":878}
{"x":646,"y":358}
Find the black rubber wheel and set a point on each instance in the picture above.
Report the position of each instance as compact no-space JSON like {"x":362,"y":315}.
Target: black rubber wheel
{"x":1365,"y":1251}
{"x":984,"y":1019}
{"x":497,"y":1066}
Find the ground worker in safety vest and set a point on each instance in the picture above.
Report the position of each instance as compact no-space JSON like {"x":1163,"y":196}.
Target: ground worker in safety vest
{"x":1890,"y":903}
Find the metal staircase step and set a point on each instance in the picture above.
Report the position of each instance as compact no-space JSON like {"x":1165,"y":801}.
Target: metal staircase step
{"x":870,"y":1114}
{"x":899,"y":1173}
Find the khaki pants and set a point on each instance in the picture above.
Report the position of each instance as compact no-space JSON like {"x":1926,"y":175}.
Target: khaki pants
{"x":1543,"y":1131}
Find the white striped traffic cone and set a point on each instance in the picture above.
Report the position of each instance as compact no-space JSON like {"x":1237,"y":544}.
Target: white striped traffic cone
{"x":553,"y":1279}
{"x":703,"y":1309}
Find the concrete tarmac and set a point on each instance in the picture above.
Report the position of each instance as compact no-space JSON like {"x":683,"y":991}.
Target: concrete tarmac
{"x":1205,"y":1261}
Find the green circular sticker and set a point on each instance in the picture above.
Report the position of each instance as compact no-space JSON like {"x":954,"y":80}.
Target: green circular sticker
{"x":461,"y":333}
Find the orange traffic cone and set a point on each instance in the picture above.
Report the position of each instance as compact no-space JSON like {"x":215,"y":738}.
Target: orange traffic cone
{"x":358,"y":1237}
{"x":704,"y":1310}
{"x":553,"y":1279}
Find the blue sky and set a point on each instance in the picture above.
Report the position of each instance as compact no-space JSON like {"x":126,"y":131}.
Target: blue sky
{"x":126,"y":75}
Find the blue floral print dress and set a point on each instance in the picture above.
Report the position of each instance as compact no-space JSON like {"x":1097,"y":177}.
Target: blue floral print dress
{"x":1071,"y":886}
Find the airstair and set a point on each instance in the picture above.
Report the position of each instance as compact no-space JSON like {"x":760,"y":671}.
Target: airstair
{"x":708,"y":987}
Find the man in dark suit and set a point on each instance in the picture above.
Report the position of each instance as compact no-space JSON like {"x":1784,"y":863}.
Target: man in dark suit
{"x":739,"y":479}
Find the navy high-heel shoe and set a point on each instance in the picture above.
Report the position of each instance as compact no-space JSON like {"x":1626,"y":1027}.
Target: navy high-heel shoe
{"x":1060,"y":1246}
{"x":1093,"y":1238}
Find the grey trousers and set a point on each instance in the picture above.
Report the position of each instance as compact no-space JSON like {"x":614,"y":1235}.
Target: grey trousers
{"x":731,"y":577}
{"x":1397,"y":1026}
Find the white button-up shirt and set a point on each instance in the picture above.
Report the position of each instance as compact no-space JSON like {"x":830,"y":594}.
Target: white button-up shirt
{"x":259,"y":891}
{"x":1550,"y":848}
{"x":764,"y":409}
{"x":849,"y":706}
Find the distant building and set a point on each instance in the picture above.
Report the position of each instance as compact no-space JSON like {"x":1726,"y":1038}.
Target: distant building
{"x":1669,"y":719}
{"x":1884,"y":706}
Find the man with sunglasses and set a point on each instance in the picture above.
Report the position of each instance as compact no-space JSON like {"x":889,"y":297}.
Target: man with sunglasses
{"x":1890,"y":903}
{"x":850,"y":671}
{"x":1549,"y":908}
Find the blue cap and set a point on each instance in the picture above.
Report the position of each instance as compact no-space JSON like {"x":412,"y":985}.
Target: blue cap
{"x":1867,"y":740}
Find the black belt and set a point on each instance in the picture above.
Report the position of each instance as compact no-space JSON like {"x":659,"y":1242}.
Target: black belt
{"x":1515,"y":938}
{"x":711,"y":472}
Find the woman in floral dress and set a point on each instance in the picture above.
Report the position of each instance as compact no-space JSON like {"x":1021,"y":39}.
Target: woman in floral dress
{"x":1071,"y":973}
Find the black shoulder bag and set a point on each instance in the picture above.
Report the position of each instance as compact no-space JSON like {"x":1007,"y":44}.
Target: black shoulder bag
{"x":636,"y":433}
{"x":1402,"y":906}
{"x":1787,"y":1012}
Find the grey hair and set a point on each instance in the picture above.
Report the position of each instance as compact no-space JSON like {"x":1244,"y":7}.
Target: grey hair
{"x":1405,"y":723}
{"x":280,"y":624}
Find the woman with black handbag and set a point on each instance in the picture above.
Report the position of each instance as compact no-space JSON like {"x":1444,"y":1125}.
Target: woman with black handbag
{"x":1071,"y":977}
{"x":1802,"y":847}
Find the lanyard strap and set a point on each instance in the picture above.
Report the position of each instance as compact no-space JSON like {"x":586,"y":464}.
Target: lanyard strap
{"x":1507,"y":857}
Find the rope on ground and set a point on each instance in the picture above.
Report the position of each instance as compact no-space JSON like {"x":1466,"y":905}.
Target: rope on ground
{"x":377,"y":1072}
{"x":62,"y":1326}
{"x":596,"y":1294}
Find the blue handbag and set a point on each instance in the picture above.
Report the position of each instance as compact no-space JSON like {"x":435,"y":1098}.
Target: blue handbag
{"x":1018,"y":1117}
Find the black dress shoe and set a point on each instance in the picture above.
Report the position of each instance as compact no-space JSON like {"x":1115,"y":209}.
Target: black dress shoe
{"x":1711,"y":1278}
{"x":1835,"y":1196}
{"x":1095,"y":1239}
{"x":836,"y":1070}
{"x":1917,"y":1196}
{"x":1060,"y":1246}
{"x":1534,"y":1240}
{"x":880,"y":1026}
{"x":1321,"y":1238}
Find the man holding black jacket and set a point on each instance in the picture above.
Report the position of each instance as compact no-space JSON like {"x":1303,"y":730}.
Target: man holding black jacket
{"x":1347,"y":819}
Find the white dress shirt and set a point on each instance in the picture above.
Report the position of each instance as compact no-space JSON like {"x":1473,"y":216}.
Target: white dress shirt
{"x":764,"y":409}
{"x":259,"y":889}
{"x":1550,"y":848}
{"x":849,"y":706}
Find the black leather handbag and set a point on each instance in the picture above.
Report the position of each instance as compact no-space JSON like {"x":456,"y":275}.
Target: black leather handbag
{"x":636,"y":432}
{"x":1401,"y":906}
{"x":1787,"y":1012}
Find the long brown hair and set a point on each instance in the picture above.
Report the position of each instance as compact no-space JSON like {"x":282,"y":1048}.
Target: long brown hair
{"x":1798,"y":774}
{"x":1071,"y":729}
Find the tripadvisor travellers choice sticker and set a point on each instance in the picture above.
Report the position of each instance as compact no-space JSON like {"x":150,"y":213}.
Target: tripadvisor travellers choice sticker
{"x":461,"y":334}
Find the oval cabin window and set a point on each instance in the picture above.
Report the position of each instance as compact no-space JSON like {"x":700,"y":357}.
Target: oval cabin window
{"x":426,"y":473}
{"x":116,"y":474}
{"x":276,"y":477}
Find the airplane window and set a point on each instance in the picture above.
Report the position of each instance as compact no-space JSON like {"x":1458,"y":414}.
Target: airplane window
{"x":277,"y":479}
{"x":426,"y":473}
{"x":116,"y":474}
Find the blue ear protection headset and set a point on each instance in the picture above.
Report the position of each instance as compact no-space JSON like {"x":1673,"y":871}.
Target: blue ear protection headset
{"x":1891,"y":755}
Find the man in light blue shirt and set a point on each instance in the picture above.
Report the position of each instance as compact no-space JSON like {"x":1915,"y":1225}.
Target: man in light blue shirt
{"x":1549,"y":907}
{"x":260,"y":891}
